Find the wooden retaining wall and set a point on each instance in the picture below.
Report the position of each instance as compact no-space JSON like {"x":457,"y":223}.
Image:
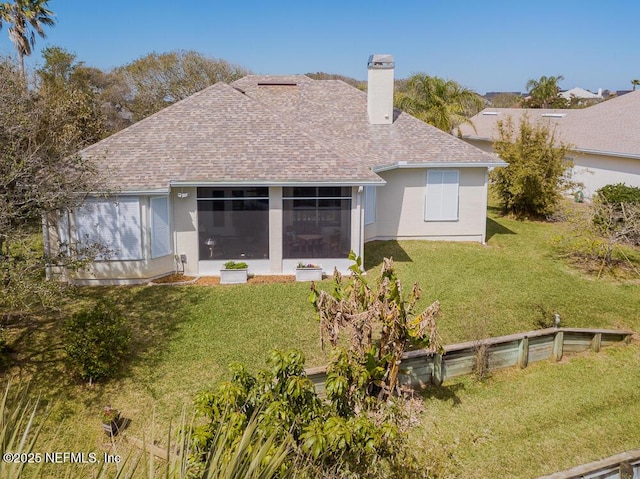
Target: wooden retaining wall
{"x":420,"y":368}
{"x":620,"y":466}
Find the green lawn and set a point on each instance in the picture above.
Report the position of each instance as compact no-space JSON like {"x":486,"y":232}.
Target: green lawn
{"x":184,"y":338}
{"x":537,"y":421}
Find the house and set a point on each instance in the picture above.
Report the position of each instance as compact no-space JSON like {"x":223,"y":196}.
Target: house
{"x":605,"y":138}
{"x":274,"y":170}
{"x":581,"y":94}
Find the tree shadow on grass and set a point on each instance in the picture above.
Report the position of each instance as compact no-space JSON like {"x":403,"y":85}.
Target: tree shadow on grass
{"x":445,"y":393}
{"x":376,"y":251}
{"x":495,"y":228}
{"x":154,"y":315}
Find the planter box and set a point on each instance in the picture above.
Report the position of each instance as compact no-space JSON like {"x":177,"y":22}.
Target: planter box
{"x":233,"y":276}
{"x":308,"y":274}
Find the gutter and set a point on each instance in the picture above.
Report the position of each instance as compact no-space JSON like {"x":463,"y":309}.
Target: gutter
{"x":111,"y":194}
{"x":439,"y":164}
{"x":633,"y":156}
{"x":617,"y":154}
{"x":185,"y":184}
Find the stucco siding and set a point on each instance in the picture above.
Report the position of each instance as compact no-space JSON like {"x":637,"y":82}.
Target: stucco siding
{"x":125,"y":272}
{"x":400,"y":208}
{"x":185,"y":221}
{"x":596,"y":171}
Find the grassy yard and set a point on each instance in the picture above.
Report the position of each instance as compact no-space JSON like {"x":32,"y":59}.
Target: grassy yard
{"x":184,"y":338}
{"x":537,"y":421}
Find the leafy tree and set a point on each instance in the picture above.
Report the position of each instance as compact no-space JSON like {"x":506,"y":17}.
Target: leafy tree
{"x":506,"y":100}
{"x":71,"y":99}
{"x":157,"y":80}
{"x":543,"y":93}
{"x":635,"y":83}
{"x":534,"y":181}
{"x":26,"y":17}
{"x":39,"y":173}
{"x":442,"y":103}
{"x":324,"y":439}
{"x":360,"y":85}
{"x":98,"y":95}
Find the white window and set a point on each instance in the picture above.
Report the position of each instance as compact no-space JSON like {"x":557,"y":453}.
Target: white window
{"x":441,"y":199}
{"x":369,"y":205}
{"x":112,"y":224}
{"x":160,"y":231}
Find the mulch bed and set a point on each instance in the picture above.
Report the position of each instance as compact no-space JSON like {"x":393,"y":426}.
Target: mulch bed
{"x":214,"y":280}
{"x":173,"y":278}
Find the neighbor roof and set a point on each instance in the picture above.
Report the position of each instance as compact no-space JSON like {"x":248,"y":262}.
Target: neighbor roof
{"x":580,"y":93}
{"x":611,"y":127}
{"x":272,"y":130}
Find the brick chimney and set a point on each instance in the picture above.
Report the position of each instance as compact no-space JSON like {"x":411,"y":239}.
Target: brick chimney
{"x":380,"y":89}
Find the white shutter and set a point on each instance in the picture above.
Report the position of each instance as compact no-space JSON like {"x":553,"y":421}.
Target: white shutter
{"x":115,"y":226}
{"x":369,"y":205}
{"x":64,"y":239}
{"x":94,"y":225}
{"x":441,"y":199}
{"x":128,"y":229}
{"x":160,"y":231}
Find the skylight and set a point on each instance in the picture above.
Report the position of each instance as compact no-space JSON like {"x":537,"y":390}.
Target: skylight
{"x":490,"y":113}
{"x":275,"y":83}
{"x":554,"y":115}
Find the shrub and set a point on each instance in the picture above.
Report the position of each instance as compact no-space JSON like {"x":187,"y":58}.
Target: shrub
{"x":96,"y":340}
{"x":618,"y":194}
{"x":359,"y":309}
{"x":533,"y":182}
{"x":617,"y":213}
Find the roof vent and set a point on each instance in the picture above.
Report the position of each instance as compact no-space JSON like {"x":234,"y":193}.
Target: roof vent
{"x":491,"y":113}
{"x":554,"y":115}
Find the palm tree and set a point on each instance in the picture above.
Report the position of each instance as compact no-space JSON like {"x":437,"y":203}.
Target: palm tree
{"x":442,"y":103}
{"x":544,"y":91}
{"x":26,"y":18}
{"x":635,"y":83}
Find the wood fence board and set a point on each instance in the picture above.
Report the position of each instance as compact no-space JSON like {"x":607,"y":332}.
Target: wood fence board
{"x":540,"y":348}
{"x":503,"y":355}
{"x":577,"y":341}
{"x":458,"y":364}
{"x":608,"y":339}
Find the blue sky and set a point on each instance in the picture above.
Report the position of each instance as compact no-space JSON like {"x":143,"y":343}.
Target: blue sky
{"x":487,"y":45}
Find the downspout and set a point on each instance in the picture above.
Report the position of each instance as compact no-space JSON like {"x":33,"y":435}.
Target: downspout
{"x":486,"y":205}
{"x":46,"y":246}
{"x":176,"y":255}
{"x":360,"y":222}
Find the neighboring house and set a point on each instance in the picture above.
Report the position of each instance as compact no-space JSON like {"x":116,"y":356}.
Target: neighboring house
{"x":581,"y":94}
{"x":605,"y":138}
{"x":274,"y":170}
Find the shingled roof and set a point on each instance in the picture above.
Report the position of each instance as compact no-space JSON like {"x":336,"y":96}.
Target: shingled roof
{"x":272,"y":130}
{"x":611,"y":127}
